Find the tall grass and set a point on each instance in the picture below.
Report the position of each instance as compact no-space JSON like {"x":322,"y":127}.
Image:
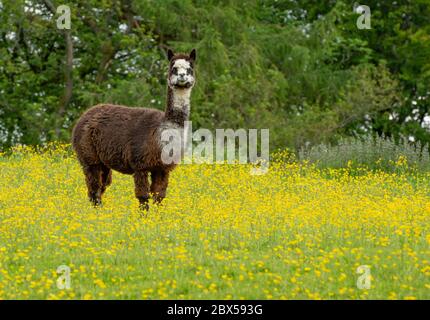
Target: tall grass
{"x":375,"y":153}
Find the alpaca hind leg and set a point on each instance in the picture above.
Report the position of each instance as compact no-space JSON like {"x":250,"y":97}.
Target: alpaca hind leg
{"x":142,"y":188}
{"x":160,"y":181}
{"x":93,"y":178}
{"x":106,"y":178}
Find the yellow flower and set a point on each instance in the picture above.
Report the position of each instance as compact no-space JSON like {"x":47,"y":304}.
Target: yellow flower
{"x":296,"y":232}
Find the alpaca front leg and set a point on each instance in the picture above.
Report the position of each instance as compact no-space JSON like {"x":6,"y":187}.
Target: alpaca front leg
{"x":160,"y":181}
{"x":142,"y":188}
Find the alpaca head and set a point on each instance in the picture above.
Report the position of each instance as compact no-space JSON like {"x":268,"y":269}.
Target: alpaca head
{"x":181,"y":70}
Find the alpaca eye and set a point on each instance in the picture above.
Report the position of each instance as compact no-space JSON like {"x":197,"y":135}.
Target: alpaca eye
{"x":189,"y":71}
{"x":175,"y":70}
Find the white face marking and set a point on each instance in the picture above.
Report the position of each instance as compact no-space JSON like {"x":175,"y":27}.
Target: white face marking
{"x":181,"y":76}
{"x":182,"y":63}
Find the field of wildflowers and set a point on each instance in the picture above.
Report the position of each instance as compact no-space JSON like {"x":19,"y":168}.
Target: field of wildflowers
{"x":296,"y":232}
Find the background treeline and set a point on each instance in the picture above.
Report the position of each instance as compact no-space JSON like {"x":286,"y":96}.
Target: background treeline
{"x":301,"y":68}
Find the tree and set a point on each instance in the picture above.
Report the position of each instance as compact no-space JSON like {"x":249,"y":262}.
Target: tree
{"x":301,"y":69}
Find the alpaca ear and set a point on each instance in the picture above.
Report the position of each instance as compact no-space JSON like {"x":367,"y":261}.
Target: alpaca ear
{"x":193,"y":55}
{"x":170,"y":54}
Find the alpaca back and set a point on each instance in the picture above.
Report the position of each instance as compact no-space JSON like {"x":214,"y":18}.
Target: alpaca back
{"x":122,"y":138}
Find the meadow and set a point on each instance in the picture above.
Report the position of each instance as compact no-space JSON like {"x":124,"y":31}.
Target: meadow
{"x":297,"y":232}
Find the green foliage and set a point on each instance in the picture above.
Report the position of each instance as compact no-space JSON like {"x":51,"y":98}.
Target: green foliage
{"x":303,"y":70}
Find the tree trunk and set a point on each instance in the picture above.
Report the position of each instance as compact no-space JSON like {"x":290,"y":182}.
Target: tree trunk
{"x":68,"y":74}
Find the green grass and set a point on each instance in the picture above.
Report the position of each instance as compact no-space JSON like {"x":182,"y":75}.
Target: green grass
{"x":221,"y":233}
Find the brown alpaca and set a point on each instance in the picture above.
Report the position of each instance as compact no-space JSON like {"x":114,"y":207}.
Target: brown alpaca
{"x":111,"y":137}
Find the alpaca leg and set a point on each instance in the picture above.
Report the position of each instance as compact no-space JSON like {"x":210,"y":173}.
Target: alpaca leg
{"x":160,"y":181}
{"x":93,"y":178}
{"x":142,"y":188}
{"x":106,"y":178}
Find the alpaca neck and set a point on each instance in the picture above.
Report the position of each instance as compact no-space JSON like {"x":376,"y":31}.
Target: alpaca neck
{"x":178,"y":105}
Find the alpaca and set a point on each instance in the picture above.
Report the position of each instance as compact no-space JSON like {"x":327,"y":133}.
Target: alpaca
{"x":112,"y":137}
